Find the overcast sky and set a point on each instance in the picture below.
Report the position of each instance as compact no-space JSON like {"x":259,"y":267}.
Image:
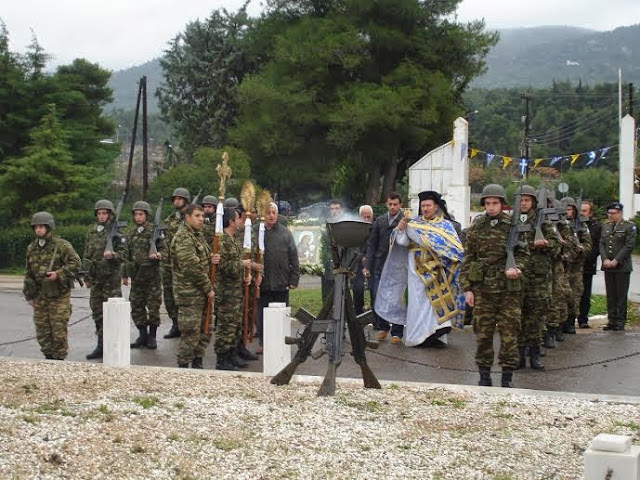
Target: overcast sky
{"x":121,"y":33}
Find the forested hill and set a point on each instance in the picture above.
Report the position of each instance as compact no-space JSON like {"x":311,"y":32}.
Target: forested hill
{"x":537,"y":56}
{"x":524,"y":57}
{"x":125,"y":86}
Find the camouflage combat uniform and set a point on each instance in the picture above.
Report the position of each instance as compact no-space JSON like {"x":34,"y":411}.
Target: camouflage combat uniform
{"x":575,"y":267}
{"x":146,"y":285}
{"x":103,"y":274}
{"x":190,"y":261}
{"x":209,"y":229}
{"x":536,"y":294}
{"x":229,"y":296}
{"x":52,"y":299}
{"x":173,"y":222}
{"x":497,"y":299}
{"x":560,"y":290}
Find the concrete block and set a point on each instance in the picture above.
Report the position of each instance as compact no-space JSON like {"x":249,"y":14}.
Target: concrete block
{"x":611,"y":443}
{"x":599,"y":464}
{"x":116,"y":333}
{"x":277,"y":325}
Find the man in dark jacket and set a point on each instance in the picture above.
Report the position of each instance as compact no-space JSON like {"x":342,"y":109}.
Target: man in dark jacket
{"x":590,"y":262}
{"x":377,"y":251}
{"x":281,"y":267}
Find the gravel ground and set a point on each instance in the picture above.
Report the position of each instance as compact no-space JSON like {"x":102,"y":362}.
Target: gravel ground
{"x":78,"y":420}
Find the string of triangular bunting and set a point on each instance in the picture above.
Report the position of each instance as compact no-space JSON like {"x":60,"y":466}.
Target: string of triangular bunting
{"x":591,"y":157}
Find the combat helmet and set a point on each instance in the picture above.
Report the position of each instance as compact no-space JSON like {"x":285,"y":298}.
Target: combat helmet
{"x":43,"y":218}
{"x":141,"y":205}
{"x":231,"y":203}
{"x":568,"y":202}
{"x":527,"y":190}
{"x":103,"y":205}
{"x":182,"y":193}
{"x":561,"y":208}
{"x":493,"y":190}
{"x":209,"y":200}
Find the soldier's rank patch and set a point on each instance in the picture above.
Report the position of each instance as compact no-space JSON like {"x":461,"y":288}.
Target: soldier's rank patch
{"x":100,"y":228}
{"x":493,"y":222}
{"x":123,"y":240}
{"x":523,"y":217}
{"x":140,"y":229}
{"x":178,"y":215}
{"x":42,"y":242}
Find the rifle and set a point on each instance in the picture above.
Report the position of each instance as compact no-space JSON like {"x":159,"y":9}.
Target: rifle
{"x":116,"y":224}
{"x":577,"y":220}
{"x":543,"y":212}
{"x":157,"y":231}
{"x":513,"y":240}
{"x":197,"y":197}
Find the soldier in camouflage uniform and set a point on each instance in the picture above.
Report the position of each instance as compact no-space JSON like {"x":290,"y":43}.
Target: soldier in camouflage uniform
{"x":209,"y":204}
{"x":143,"y":268}
{"x":575,"y":266}
{"x":229,"y":285}
{"x":492,"y":290}
{"x":180,"y":199}
{"x":52,"y":264}
{"x":102,"y":267}
{"x":560,"y":289}
{"x":190,"y":261}
{"x":536,"y":294}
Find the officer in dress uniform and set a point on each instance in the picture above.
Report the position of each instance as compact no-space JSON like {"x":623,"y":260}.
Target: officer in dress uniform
{"x":616,"y":244}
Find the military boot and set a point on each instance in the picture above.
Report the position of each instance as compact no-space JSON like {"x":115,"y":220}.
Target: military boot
{"x":236,"y":360}
{"x":49,"y":357}
{"x":543,"y":352}
{"x":152,"y":343}
{"x":183,"y":365}
{"x":175,"y":331}
{"x":245,"y":354}
{"x":523,"y":357}
{"x":97,"y":352}
{"x":197,"y":363}
{"x":570,"y":325}
{"x":550,"y":338}
{"x":559,"y":334}
{"x":536,"y":364}
{"x":142,"y":339}
{"x":485,"y":377}
{"x":224,"y":362}
{"x":507,"y":378}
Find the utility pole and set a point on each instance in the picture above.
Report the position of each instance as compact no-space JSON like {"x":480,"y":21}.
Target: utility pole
{"x":145,"y":140}
{"x":630,"y":99}
{"x":525,"y":150}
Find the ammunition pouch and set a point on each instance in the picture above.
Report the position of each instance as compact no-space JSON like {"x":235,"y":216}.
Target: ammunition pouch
{"x":475,"y":272}
{"x":513,"y":285}
{"x":30,"y":289}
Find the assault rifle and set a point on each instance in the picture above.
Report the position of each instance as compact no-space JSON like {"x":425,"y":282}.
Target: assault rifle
{"x":115,"y":225}
{"x":577,"y":219}
{"x":542,"y":213}
{"x":336,"y":316}
{"x":197,"y":197}
{"x":157,"y":231}
{"x":513,"y":240}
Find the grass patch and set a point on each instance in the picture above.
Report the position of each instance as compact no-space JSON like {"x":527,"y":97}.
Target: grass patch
{"x":629,"y":425}
{"x":146,"y":402}
{"x":29,"y":387}
{"x":309,"y":298}
{"x":32,"y":419}
{"x":599,"y":307}
{"x":55,"y":407}
{"x":227,"y":444}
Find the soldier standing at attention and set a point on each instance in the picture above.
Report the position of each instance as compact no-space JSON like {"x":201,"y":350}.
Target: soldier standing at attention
{"x":180,"y":199}
{"x":51,"y":266}
{"x":102,"y":266}
{"x":209,"y":204}
{"x":575,"y":266}
{"x":616,"y":245}
{"x":229,"y":285}
{"x":590,"y":262}
{"x":536,"y":293}
{"x":190,"y":261}
{"x":492,"y":290}
{"x":143,"y":269}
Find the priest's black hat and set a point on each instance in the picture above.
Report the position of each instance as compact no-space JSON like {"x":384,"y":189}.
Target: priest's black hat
{"x":430,"y":195}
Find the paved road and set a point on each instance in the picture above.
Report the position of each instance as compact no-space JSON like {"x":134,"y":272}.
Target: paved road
{"x":594,"y":361}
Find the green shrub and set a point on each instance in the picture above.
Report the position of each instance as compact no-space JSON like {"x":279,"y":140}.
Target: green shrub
{"x":14,"y":242}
